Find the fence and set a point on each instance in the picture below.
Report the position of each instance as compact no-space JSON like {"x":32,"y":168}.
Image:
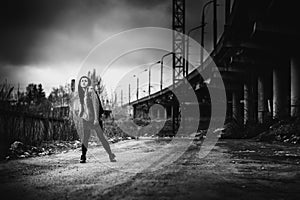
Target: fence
{"x":33,"y":129}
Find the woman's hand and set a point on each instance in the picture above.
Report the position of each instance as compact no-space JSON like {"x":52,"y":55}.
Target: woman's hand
{"x":96,"y":122}
{"x":90,"y":89}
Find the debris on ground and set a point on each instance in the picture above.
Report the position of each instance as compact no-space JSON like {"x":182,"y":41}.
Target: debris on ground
{"x":287,"y":131}
{"x":201,"y":134}
{"x":20,"y":150}
{"x":118,"y":139}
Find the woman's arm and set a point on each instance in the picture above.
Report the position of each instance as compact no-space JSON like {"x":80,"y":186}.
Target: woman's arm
{"x":81,"y":110}
{"x":96,"y":105}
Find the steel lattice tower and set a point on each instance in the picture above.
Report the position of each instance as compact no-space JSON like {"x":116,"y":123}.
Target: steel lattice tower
{"x":178,"y":40}
{"x":179,"y":53}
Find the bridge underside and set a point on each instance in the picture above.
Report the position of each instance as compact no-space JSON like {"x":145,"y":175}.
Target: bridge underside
{"x":259,"y":63}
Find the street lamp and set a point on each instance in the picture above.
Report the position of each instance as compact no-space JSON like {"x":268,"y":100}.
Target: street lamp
{"x":203,"y":24}
{"x":137,"y":86}
{"x":161,"y":68}
{"x":129,"y":94}
{"x":149,"y":89}
{"x":137,"y":83}
{"x":188,"y":44}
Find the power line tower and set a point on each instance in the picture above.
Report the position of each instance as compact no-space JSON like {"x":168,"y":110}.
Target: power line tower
{"x":178,"y":40}
{"x":178,"y":53}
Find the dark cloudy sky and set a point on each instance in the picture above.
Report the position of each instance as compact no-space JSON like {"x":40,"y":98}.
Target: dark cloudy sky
{"x":44,"y":41}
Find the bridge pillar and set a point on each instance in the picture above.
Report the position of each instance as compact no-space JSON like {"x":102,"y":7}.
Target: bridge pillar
{"x":169,"y":111}
{"x":265,"y":87}
{"x":262,"y":98}
{"x":229,"y":114}
{"x":255,"y":98}
{"x":236,"y":106}
{"x":295,"y":87}
{"x":248,"y":102}
{"x":281,"y":91}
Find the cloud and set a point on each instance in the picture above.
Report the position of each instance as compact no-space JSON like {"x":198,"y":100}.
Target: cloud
{"x":37,"y":34}
{"x":21,"y":24}
{"x":41,"y":30}
{"x":58,"y":34}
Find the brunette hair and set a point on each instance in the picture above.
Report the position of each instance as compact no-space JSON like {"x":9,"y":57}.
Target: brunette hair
{"x":80,"y":90}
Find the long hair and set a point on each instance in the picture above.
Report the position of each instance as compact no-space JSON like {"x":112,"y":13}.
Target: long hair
{"x":81,"y":91}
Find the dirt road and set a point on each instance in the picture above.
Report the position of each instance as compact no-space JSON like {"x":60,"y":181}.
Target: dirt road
{"x":234,"y":169}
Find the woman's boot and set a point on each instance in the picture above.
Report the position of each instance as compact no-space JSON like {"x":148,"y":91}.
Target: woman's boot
{"x":83,"y":155}
{"x":112,"y":157}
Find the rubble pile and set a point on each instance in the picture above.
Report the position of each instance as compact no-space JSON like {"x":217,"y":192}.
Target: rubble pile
{"x":113,"y":131}
{"x":287,"y":131}
{"x":201,"y":134}
{"x":20,"y":150}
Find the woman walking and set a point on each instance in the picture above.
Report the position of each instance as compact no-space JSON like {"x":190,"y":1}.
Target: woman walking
{"x":91,"y":111}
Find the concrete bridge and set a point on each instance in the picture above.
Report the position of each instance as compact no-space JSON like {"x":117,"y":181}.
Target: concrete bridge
{"x":259,"y":61}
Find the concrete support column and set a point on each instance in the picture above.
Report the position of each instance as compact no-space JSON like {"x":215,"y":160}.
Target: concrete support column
{"x":254,"y":88}
{"x":281,"y":92}
{"x":248,"y":103}
{"x":295,"y":87}
{"x":134,"y":112}
{"x":236,"y":106}
{"x":169,"y":112}
{"x":269,"y":94}
{"x":229,"y":114}
{"x":262,"y":103}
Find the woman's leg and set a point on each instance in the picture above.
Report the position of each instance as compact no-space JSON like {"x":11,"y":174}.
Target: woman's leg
{"x":105,"y":143}
{"x":85,"y":140}
{"x":86,"y":135}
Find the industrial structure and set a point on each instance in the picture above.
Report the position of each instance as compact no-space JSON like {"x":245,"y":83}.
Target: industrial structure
{"x":256,"y":55}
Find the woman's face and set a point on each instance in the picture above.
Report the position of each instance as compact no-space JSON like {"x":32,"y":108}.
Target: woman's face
{"x":84,"y":82}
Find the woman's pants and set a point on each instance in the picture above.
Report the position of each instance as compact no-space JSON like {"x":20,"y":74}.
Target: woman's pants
{"x":87,"y":128}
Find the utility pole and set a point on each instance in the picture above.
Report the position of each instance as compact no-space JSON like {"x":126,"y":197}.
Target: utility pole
{"x":137,"y":88}
{"x":128,"y":94}
{"x":121,"y":97}
{"x":137,"y":83}
{"x":188,"y":46}
{"x":161,"y":68}
{"x":149,"y":86}
{"x":18,"y":95}
{"x":202,"y":32}
{"x":215,"y":24}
